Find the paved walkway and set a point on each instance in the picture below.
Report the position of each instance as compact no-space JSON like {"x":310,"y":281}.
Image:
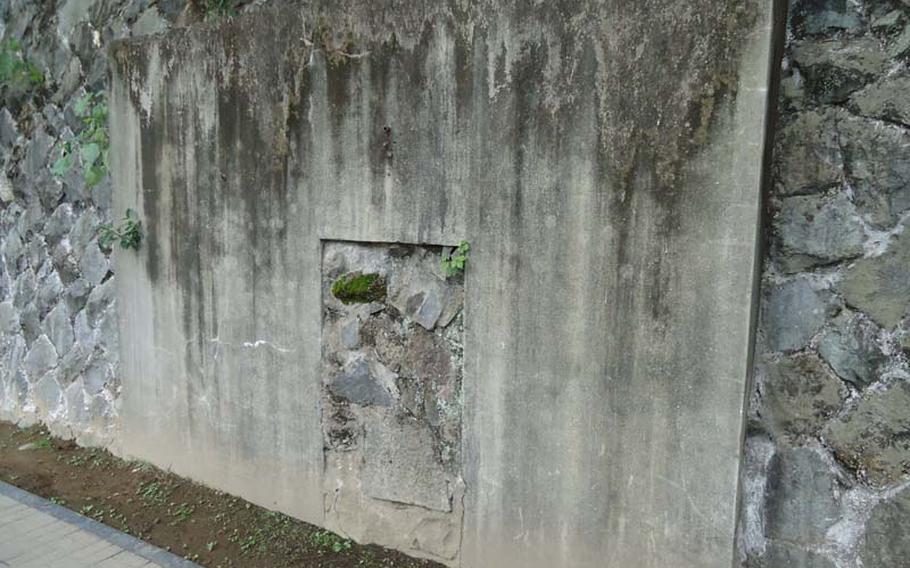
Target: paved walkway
{"x":35,"y":533}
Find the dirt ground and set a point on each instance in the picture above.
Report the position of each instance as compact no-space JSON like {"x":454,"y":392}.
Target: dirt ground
{"x":207,"y":526}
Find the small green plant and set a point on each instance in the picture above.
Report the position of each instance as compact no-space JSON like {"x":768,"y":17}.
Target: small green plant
{"x":44,"y":444}
{"x":77,"y":460}
{"x":453,"y":264}
{"x":58,"y":501}
{"x":154,"y":492}
{"x":183,"y":512}
{"x":367,"y":559}
{"x":128,"y":233}
{"x":249,"y":543}
{"x":15,"y":70}
{"x":91,"y":144}
{"x":92,"y":511}
{"x":357,"y":288}
{"x":330,"y":540}
{"x":142,"y":466}
{"x":210,"y":546}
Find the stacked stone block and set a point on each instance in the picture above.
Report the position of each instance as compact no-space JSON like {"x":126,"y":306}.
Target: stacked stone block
{"x":827,"y":474}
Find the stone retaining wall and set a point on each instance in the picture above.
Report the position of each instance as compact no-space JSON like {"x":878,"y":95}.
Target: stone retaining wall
{"x":58,"y":354}
{"x":828,"y":444}
{"x":58,"y":333}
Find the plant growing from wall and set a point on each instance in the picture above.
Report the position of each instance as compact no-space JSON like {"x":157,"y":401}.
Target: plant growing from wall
{"x":453,"y":264}
{"x":15,"y":70}
{"x":91,"y":144}
{"x":128,"y":233}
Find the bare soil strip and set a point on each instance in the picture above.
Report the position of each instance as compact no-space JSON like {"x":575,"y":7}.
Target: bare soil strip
{"x":200,"y":524}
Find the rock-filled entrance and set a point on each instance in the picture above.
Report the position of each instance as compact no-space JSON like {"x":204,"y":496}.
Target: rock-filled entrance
{"x":392,"y":371}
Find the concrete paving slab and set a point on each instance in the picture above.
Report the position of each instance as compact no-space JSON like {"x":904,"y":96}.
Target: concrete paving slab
{"x":39,"y":534}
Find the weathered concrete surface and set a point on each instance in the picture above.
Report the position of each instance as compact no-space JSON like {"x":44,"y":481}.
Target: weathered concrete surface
{"x":603,"y":160}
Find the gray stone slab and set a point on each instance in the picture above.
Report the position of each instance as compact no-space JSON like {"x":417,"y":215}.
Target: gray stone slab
{"x":800,"y":394}
{"x":609,"y":294}
{"x":793,"y":312}
{"x":400,"y":466}
{"x":887,"y":542}
{"x":804,"y":229}
{"x":885,"y":99}
{"x":358,"y":385}
{"x":850,"y":347}
{"x":807,"y":153}
{"x":878,"y":168}
{"x":873,"y":438}
{"x":801,"y":502}
{"x":880,"y":285}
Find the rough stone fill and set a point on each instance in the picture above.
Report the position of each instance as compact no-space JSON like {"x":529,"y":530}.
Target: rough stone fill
{"x":827,"y":459}
{"x":400,"y":355}
{"x":392,"y":375}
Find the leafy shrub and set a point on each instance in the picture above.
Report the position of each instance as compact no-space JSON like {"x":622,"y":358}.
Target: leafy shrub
{"x":129,"y":233}
{"x":91,"y":144}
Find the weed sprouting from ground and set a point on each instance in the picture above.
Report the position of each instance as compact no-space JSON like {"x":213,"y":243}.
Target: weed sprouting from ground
{"x":330,"y":541}
{"x":155,"y":492}
{"x":182,"y":513}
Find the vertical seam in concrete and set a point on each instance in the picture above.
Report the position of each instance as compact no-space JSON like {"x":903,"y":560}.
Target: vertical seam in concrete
{"x":778,"y":44}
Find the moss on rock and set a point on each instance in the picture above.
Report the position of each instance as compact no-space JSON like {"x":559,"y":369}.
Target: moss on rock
{"x":358,"y":288}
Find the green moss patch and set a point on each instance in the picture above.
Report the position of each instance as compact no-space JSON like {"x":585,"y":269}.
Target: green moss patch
{"x":357,"y":288}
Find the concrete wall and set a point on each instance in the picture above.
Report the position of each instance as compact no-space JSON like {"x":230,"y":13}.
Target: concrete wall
{"x":826,"y":377}
{"x":827,"y":474}
{"x":603,"y":160}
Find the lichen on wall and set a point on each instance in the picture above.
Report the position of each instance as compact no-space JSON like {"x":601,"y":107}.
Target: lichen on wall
{"x":827,"y":472}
